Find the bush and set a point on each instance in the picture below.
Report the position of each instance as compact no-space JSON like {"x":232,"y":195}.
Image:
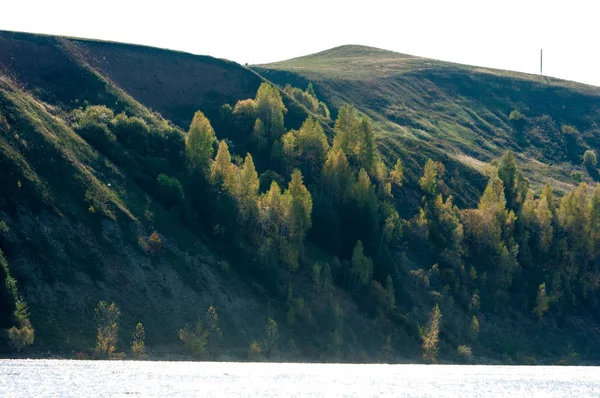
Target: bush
{"x":154,"y":243}
{"x":254,"y":351}
{"x":194,"y":337}
{"x":170,"y":190}
{"x":20,"y":338}
{"x":577,"y":176}
{"x":464,"y":352}
{"x":589,"y":158}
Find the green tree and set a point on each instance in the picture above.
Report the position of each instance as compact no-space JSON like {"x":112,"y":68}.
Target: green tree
{"x":270,"y":110}
{"x":272,"y":330}
{"x":221,"y":170}
{"x":541,"y":302}
{"x":430,"y":334}
{"x":199,"y":142}
{"x":170,"y":190}
{"x":346,"y":130}
{"x":300,"y":205}
{"x":390,"y":294}
{"x":367,"y":153}
{"x":310,"y":90}
{"x":397,"y":174}
{"x":589,"y":158}
{"x":431,"y":180}
{"x":336,"y":177}
{"x":312,"y":147}
{"x":107,"y":328}
{"x":138,"y":348}
{"x":194,"y":337}
{"x":246,"y":191}
{"x":515,"y":185}
{"x":361,"y":266}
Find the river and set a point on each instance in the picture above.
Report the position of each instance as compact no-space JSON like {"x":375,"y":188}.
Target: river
{"x":41,"y":378}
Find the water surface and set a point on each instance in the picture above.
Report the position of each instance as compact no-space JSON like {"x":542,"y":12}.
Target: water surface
{"x":27,"y":378}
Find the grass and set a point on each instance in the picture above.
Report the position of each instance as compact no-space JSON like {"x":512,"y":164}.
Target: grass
{"x":452,"y":110}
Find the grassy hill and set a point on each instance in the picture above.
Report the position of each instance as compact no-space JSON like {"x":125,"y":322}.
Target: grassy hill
{"x":455,"y":110}
{"x":90,"y":131}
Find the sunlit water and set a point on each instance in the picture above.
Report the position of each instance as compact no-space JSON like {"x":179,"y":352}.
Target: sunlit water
{"x":38,"y":378}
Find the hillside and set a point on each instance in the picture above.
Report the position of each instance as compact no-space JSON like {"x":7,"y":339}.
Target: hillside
{"x":458,"y":110}
{"x":238,"y":220}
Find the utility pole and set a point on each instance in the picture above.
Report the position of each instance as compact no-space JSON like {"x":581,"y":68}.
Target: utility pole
{"x":541,"y":58}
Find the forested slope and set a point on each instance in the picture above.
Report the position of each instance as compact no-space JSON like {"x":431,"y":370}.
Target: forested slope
{"x":361,"y":207}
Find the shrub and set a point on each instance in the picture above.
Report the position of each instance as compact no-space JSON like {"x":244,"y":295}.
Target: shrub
{"x":577,"y":176}
{"x":203,"y":334}
{"x":254,"y":351}
{"x":20,"y":338}
{"x":170,"y":190}
{"x":154,"y":243}
{"x":589,"y":158}
{"x":194,"y":337}
{"x":132,"y":133}
{"x":515,"y":115}
{"x":3,"y":228}
{"x":464,"y":352}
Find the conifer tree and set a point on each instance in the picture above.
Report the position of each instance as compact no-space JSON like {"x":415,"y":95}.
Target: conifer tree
{"x":430,"y":334}
{"x":270,"y":109}
{"x":199,"y":142}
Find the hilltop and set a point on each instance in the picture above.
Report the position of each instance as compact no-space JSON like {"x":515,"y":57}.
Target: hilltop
{"x":317,"y":209}
{"x":455,"y":110}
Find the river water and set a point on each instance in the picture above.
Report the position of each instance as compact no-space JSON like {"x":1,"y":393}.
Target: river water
{"x":42,"y":378}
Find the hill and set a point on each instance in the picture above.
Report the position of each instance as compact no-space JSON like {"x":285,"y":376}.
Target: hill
{"x":456,"y":110}
{"x":237,"y":219}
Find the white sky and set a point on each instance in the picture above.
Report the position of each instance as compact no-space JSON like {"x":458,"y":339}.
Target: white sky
{"x":505,"y":34}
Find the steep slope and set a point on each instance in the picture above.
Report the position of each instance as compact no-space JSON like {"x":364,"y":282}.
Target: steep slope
{"x":457,"y":110}
{"x":80,"y":206}
{"x":101,"y":198}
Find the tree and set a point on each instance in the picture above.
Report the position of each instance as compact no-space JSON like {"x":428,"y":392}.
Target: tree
{"x":215,"y":335}
{"x":272,"y":336}
{"x":138,"y":348}
{"x":221,"y":170}
{"x":367,"y":153}
{"x":397,"y":174}
{"x":259,"y":135}
{"x":199,"y":142}
{"x":346,"y":133}
{"x":300,"y":207}
{"x":246,"y":191}
{"x":310,"y":90}
{"x":390,"y":294}
{"x":430,"y":334}
{"x":270,"y":110}
{"x":194,"y":337}
{"x":312,"y":147}
{"x":107,"y":328}
{"x":589,"y":158}
{"x":336,"y":177}
{"x":474,"y":330}
{"x":515,"y":185}
{"x":361,"y":266}
{"x":541,"y":302}
{"x":431,"y":180}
